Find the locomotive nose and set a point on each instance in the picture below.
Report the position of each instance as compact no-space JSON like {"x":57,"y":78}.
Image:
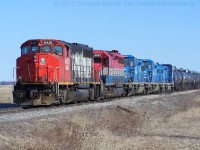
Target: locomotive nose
{"x":41,"y":68}
{"x":47,"y":69}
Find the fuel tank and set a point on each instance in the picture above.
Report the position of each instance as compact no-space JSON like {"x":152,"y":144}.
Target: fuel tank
{"x":114,"y":92}
{"x":79,"y":95}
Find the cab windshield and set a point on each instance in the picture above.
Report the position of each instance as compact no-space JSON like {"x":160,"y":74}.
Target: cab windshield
{"x":126,"y":62}
{"x":26,"y":49}
{"x":33,"y":49}
{"x":58,"y":50}
{"x":97,"y":60}
{"x":46,"y":49}
{"x":148,"y":65}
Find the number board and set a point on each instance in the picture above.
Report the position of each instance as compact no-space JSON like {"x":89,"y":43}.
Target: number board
{"x":47,"y":42}
{"x":97,"y":55}
{"x":33,"y":42}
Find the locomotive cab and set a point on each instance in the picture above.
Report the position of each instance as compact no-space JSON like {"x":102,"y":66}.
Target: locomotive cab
{"x":145,"y":67}
{"x":158,"y":74}
{"x":54,"y":71}
{"x":110,"y":66}
{"x":130,"y":62}
{"x":169,"y":77}
{"x":109,"y":69}
{"x":41,"y":61}
{"x":101,"y":63}
{"x":143,"y":75}
{"x":41,"y":64}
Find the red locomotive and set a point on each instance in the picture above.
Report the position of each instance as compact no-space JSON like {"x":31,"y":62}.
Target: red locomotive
{"x":109,"y":66}
{"x":53,"y":71}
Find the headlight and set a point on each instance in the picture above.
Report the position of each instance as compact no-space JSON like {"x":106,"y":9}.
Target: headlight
{"x":35,"y":59}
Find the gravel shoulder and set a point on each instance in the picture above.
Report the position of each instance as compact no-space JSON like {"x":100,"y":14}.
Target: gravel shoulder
{"x":170,"y":121}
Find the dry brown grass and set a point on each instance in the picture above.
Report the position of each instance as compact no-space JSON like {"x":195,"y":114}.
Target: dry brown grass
{"x":83,"y":133}
{"x":6,"y":94}
{"x":151,"y":125}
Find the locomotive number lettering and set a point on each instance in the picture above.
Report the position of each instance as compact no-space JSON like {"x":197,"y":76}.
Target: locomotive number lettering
{"x":47,"y":42}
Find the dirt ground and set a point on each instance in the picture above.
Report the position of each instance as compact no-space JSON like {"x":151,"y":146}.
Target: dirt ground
{"x":161,"y":122}
{"x":6,"y":94}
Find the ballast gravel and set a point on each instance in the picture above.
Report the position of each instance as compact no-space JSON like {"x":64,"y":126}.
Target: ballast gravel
{"x":123,"y":101}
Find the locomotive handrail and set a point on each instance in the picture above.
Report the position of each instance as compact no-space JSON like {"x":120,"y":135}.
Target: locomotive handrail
{"x":15,"y":68}
{"x":28,"y":69}
{"x":56,"y":73}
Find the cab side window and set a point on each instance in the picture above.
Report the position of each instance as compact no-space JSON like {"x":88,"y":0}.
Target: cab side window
{"x":35,"y":49}
{"x":58,"y":50}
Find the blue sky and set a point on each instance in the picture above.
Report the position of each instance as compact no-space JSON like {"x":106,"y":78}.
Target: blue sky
{"x":167,"y":31}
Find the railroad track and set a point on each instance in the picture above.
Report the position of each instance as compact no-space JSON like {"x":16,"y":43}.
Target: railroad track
{"x":19,"y":108}
{"x":10,"y":110}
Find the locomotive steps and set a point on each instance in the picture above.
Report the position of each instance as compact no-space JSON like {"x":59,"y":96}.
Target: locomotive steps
{"x":169,"y":121}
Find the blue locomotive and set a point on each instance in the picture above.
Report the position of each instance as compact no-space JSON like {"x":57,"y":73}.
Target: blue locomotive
{"x":144,"y":77}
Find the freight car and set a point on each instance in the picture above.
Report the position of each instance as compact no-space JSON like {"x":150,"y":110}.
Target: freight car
{"x":185,"y":80}
{"x":56,"y":72}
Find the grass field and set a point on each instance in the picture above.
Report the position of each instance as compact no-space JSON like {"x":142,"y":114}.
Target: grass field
{"x":162,"y":123}
{"x":6,"y":94}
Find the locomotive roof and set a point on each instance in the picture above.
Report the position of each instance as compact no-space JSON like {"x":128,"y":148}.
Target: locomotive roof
{"x":146,"y":60}
{"x":77,"y":45}
{"x":129,"y":56}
